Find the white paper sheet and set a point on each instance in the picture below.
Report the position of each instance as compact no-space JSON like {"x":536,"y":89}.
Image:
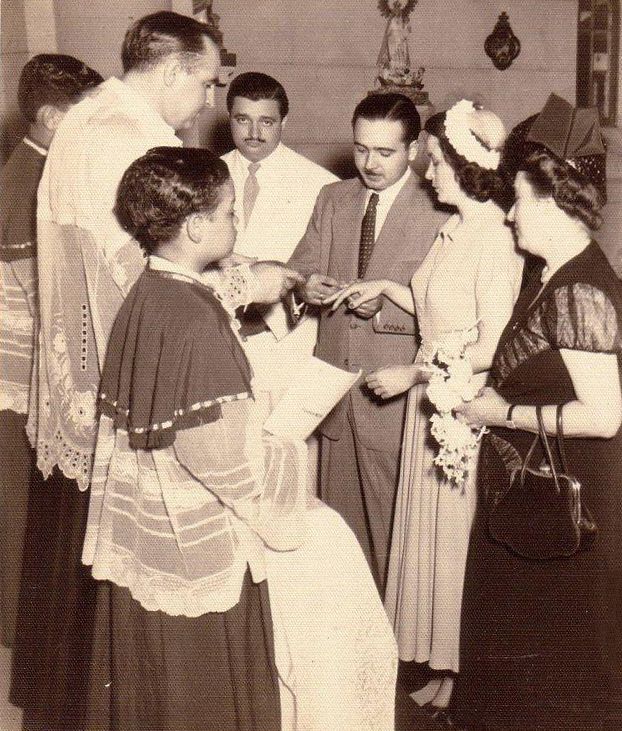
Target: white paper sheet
{"x":317,"y":388}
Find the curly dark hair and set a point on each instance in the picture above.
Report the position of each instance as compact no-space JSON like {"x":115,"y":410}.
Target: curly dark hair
{"x":476,"y":182}
{"x":55,"y":79}
{"x":163,"y":187}
{"x":550,"y":176}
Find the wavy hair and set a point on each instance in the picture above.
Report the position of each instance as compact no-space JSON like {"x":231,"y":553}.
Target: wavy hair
{"x":163,"y":187}
{"x":55,"y":79}
{"x":550,"y":176}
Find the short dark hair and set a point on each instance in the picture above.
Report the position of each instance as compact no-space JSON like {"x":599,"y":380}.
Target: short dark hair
{"x":256,"y":86}
{"x":550,"y":176}
{"x":53,"y":78}
{"x":163,"y":187}
{"x":477,"y":182}
{"x":153,"y":38}
{"x":391,"y":106}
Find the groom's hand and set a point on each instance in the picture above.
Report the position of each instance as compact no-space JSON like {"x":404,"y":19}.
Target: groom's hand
{"x":317,"y":288}
{"x":369,"y":309}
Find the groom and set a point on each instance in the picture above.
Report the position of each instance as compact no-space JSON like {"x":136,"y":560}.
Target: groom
{"x":378,"y":225}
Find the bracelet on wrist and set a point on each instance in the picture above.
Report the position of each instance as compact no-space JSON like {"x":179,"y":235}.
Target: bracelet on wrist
{"x":509,"y":423}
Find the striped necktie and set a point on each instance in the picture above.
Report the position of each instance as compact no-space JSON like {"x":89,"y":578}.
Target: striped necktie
{"x":368,"y":234}
{"x":251,"y":189}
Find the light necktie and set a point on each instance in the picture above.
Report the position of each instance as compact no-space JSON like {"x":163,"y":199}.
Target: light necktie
{"x":368,"y":234}
{"x":251,"y":189}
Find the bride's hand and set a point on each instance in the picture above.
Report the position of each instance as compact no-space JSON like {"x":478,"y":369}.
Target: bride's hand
{"x":357,"y":294}
{"x":393,"y":380}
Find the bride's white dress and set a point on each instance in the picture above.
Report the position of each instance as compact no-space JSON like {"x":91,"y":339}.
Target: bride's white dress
{"x":471,"y":274}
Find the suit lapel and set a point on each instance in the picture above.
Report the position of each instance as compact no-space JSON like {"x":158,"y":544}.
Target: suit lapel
{"x":346,"y":234}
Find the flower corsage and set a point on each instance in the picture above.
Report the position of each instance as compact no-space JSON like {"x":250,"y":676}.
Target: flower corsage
{"x":450,"y":384}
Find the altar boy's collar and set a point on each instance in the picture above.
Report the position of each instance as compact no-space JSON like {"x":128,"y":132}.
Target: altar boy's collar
{"x":160,"y":264}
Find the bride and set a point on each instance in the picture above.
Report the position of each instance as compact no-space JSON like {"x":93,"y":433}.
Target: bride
{"x":470,"y":277}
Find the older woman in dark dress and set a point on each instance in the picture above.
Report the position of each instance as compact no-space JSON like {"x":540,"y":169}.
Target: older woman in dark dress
{"x":541,"y":640}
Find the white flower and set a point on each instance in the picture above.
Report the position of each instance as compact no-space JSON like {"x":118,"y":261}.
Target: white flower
{"x":442,"y":395}
{"x":448,"y":387}
{"x":469,"y":391}
{"x":458,"y":123}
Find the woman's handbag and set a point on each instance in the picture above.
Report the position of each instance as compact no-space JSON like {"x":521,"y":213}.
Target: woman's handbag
{"x":540,"y":516}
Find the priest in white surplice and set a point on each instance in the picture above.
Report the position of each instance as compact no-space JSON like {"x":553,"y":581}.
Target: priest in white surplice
{"x":275,"y":190}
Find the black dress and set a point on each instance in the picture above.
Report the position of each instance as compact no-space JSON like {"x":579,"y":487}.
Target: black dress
{"x":541,"y":640}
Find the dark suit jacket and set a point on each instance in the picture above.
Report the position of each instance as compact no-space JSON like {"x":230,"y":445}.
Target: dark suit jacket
{"x":330,"y":246}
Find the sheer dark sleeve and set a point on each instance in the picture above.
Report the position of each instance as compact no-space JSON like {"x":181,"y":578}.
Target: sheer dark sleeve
{"x":582,"y":316}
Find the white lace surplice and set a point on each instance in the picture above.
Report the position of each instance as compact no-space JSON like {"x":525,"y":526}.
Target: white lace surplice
{"x":18,"y":314}
{"x":87,"y":265}
{"x":178,"y":526}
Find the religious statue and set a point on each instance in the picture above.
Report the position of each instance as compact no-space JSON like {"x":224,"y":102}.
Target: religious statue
{"x":395,"y":73}
{"x":202,"y":10}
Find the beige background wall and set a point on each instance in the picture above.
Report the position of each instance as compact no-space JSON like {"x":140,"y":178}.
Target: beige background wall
{"x":93,"y":31}
{"x":325,"y":52}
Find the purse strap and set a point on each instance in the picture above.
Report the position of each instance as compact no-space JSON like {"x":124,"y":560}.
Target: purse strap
{"x":560,"y":438}
{"x":542,"y":436}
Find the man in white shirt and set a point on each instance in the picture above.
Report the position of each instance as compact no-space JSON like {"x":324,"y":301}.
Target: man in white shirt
{"x":275,"y":190}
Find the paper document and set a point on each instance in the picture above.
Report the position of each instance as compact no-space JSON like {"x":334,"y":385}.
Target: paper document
{"x":276,"y":319}
{"x":316,"y":389}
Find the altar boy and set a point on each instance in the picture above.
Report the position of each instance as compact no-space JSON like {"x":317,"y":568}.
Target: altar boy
{"x":187,"y":491}
{"x":49,"y":84}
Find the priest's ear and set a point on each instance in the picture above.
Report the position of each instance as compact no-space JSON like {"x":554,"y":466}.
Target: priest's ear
{"x":50,"y":116}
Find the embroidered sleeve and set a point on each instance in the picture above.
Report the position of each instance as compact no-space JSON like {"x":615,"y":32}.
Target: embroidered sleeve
{"x":235,"y":286}
{"x":582,"y":317}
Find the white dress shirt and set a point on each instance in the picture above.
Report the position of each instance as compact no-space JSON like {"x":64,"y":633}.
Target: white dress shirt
{"x":288,"y":187}
{"x":386,"y":198}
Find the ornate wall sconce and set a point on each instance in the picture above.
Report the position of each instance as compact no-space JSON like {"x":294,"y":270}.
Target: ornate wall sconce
{"x":502,"y":46}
